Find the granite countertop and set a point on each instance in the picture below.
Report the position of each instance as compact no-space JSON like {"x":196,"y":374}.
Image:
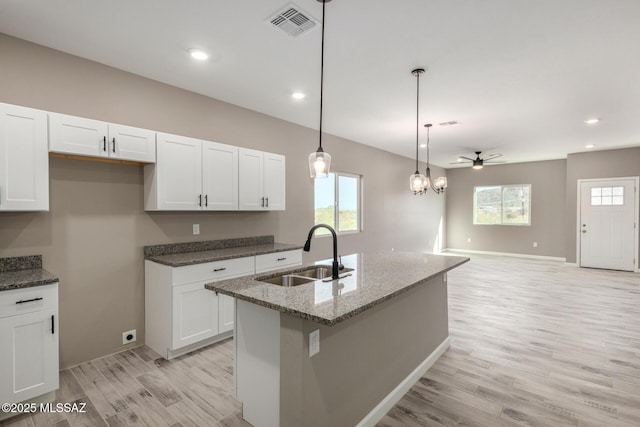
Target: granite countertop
{"x":181,"y":254}
{"x":199,"y":257}
{"x":376,"y":277}
{"x":24,"y":272}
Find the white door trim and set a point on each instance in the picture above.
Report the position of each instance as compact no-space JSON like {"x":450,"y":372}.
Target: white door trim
{"x":636,"y":180}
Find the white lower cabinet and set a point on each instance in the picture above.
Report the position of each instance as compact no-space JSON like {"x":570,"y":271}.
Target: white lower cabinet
{"x":29,"y":336}
{"x":181,"y":315}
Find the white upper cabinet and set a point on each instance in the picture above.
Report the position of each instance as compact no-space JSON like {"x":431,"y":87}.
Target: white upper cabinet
{"x":192,"y":175}
{"x":261,"y":180}
{"x":86,"y":137}
{"x":219,"y":176}
{"x":24,"y":160}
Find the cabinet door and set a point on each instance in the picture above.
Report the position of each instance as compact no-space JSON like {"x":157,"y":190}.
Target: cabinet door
{"x":24,"y":160}
{"x":226,"y":316}
{"x":179,"y":169}
{"x":219,"y":176}
{"x":29,"y":355}
{"x":274,"y":181}
{"x":129,"y":143}
{"x":195,"y":314}
{"x":77,"y":135}
{"x":250,"y":185}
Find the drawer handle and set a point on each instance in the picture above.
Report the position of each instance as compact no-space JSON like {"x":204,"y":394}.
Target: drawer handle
{"x":282,"y":259}
{"x":219,"y":269}
{"x":22,"y":301}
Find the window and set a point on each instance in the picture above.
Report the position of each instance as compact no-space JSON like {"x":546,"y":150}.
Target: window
{"x":502,"y":204}
{"x":607,"y":196}
{"x":337,"y":203}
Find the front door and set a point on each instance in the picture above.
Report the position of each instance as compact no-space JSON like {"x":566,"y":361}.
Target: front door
{"x":607,"y":224}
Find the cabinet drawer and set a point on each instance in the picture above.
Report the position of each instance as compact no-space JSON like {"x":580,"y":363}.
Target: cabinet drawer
{"x":213,"y":271}
{"x":278,"y":260}
{"x":28,"y":300}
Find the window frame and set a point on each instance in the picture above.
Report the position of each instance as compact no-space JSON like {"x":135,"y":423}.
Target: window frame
{"x":502,"y":187}
{"x":336,"y":205}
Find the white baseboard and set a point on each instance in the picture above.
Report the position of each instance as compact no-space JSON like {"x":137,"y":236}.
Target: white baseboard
{"x":381,"y":409}
{"x":509,"y":254}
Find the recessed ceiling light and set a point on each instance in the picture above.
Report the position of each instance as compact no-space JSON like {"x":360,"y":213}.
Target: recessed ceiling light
{"x":423,"y":145}
{"x":298,"y":95}
{"x":588,"y":146}
{"x":198,"y":54}
{"x":592,"y":121}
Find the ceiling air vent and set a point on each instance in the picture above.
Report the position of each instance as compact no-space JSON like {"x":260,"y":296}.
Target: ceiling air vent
{"x":293,"y":20}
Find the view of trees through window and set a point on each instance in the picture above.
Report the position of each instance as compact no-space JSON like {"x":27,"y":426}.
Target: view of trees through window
{"x":339,"y":193}
{"x":502,"y":204}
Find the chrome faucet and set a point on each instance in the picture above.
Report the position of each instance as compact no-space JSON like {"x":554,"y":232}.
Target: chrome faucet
{"x":336,"y":266}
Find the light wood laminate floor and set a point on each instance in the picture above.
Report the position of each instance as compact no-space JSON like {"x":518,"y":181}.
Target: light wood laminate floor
{"x":534,"y":343}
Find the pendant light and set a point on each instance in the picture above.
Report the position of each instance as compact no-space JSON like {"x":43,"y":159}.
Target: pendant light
{"x":440,"y":183}
{"x":417,"y":181}
{"x":319,"y":161}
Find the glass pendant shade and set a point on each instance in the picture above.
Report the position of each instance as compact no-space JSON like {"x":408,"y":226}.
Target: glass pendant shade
{"x":319,"y":164}
{"x":441,"y":182}
{"x":417,"y":182}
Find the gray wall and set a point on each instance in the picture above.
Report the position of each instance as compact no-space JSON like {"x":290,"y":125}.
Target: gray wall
{"x":596,"y":164}
{"x":548,"y":206}
{"x":92,"y":237}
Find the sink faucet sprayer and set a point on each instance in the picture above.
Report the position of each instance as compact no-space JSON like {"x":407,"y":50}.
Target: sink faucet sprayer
{"x":336,"y":266}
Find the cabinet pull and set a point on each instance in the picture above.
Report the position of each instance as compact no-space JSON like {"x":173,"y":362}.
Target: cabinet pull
{"x":200,"y":200}
{"x":104,"y":143}
{"x":22,"y":301}
{"x":219,"y":269}
{"x":281,"y":259}
{"x":267,"y":202}
{"x":262,"y":204}
{"x":53,"y":328}
{"x":114,"y":145}
{"x":206,"y":200}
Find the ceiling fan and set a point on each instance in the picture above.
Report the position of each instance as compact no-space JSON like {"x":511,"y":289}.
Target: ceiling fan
{"x":478,"y":163}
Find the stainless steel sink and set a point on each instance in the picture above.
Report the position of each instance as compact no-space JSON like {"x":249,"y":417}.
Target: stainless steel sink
{"x":288,"y":280}
{"x":307,"y":275}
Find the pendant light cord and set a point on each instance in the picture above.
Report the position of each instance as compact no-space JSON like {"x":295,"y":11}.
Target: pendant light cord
{"x":417,"y":113}
{"x":428,"y":127}
{"x":322,"y":72}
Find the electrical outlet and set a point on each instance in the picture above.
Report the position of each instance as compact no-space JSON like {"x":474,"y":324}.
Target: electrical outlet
{"x":314,"y":343}
{"x":129,"y":337}
{"x":535,"y":244}
{"x":196,"y":229}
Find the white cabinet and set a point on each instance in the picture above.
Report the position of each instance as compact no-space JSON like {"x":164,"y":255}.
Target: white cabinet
{"x":261,"y":180}
{"x":29,"y":336}
{"x":277,"y":260}
{"x":94,"y":138}
{"x":180,"y":314}
{"x":24,"y":160}
{"x":191,"y":174}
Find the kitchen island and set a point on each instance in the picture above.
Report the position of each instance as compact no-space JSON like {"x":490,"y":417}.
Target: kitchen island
{"x":380,"y":328}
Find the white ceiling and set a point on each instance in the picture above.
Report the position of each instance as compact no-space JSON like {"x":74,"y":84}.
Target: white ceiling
{"x":521,"y":76}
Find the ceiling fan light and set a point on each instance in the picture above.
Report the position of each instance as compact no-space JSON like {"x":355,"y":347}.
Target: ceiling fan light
{"x":477,"y":167}
{"x":319,"y":164}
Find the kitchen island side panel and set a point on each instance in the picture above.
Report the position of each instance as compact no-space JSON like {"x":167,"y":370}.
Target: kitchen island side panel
{"x":362,"y":359}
